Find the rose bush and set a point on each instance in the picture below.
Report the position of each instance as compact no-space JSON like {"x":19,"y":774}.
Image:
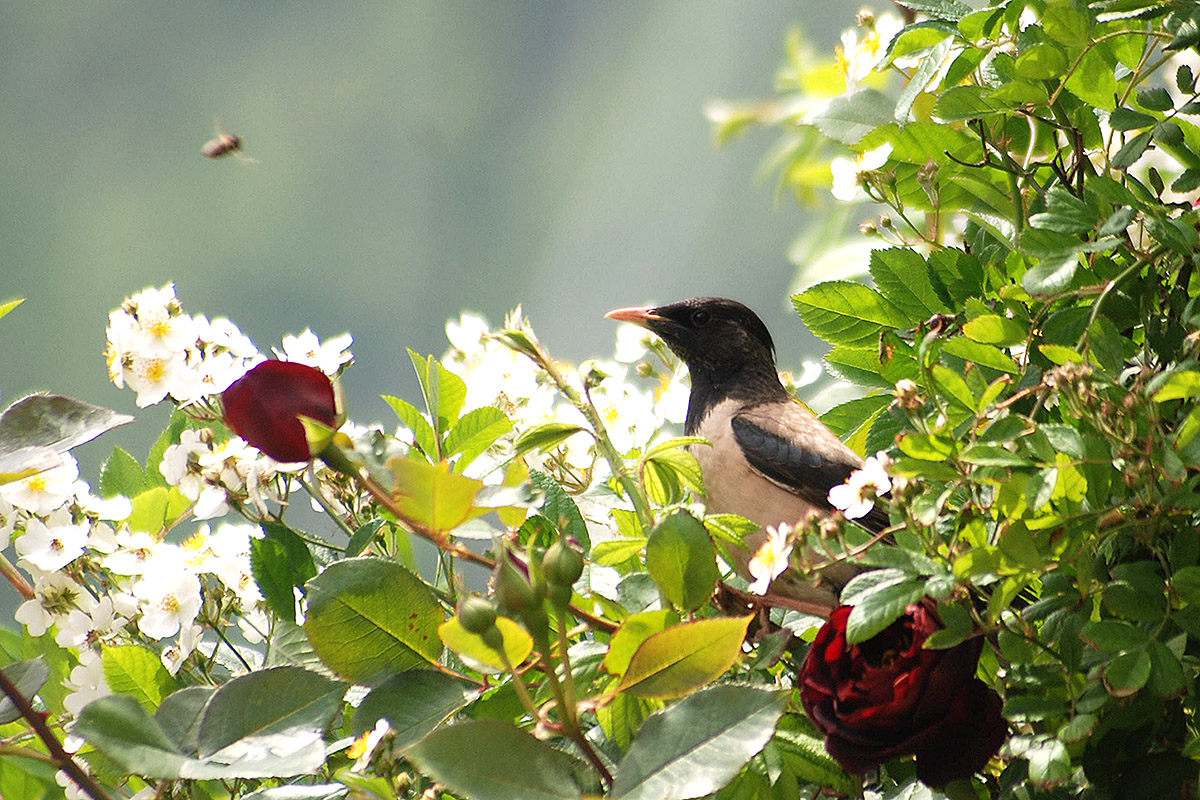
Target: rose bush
{"x":265,"y":405}
{"x":889,"y":696}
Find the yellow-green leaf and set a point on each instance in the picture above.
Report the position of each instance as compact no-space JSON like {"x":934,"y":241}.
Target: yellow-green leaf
{"x":470,"y":646}
{"x":685,"y":657}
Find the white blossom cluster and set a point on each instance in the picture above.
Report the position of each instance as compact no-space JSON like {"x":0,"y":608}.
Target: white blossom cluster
{"x":96,"y":580}
{"x":632,"y":412}
{"x":100,"y":578}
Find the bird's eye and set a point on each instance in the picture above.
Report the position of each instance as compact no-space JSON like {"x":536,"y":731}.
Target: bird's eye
{"x":701,"y":317}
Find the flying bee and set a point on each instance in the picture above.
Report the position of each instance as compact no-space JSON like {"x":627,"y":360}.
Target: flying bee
{"x":225,"y":144}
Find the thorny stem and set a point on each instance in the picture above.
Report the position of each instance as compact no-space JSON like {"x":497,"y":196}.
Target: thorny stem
{"x":314,"y":489}
{"x":385,"y":499}
{"x":19,"y":582}
{"x":603,"y":443}
{"x":60,"y":756}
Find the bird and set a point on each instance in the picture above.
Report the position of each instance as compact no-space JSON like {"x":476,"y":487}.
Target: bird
{"x":768,"y":458}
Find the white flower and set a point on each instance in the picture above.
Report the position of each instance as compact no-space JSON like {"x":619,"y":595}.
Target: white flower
{"x":46,"y":491}
{"x":8,"y":521}
{"x":221,"y":335}
{"x":856,"y":497}
{"x":50,"y":548}
{"x":180,"y":462}
{"x":468,"y":334}
{"x":173,"y":655}
{"x":86,"y":682}
{"x":154,"y":377}
{"x":771,"y":559}
{"x":114,"y":509}
{"x":153,"y":302}
{"x":99,"y":622}
{"x":846,"y":172}
{"x":135,"y":554}
{"x":169,"y":595}
{"x":633,"y":341}
{"x":307,"y":349}
{"x":55,"y":595}
{"x":364,"y":746}
{"x":854,"y":58}
{"x":164,"y":334}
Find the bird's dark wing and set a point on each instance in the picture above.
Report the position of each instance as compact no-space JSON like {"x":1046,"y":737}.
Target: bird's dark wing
{"x":789,"y":446}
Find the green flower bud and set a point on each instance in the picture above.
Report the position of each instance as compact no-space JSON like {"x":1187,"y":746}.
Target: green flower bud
{"x":559,"y":594}
{"x":511,"y":589}
{"x":477,"y":615}
{"x":563,"y":563}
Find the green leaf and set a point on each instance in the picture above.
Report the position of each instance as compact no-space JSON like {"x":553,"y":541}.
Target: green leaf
{"x":444,"y":393}
{"x":925,"y":446}
{"x":55,"y":422}
{"x":1041,"y":62}
{"x":844,"y":312}
{"x":667,"y":472}
{"x":1110,"y":635}
{"x":1065,"y":213}
{"x":634,"y":630}
{"x":1093,"y":81}
{"x":879,"y":601}
{"x":1167,"y":677}
{"x":269,"y":701}
{"x":137,"y":672}
{"x":1178,"y":386}
{"x":952,"y":386}
{"x":493,"y":760}
{"x":904,"y":279}
{"x":280,"y":562}
{"x":1156,"y":98}
{"x":362,"y":537}
{"x":474,"y":433}
{"x":806,"y":756}
{"x":411,"y":418}
{"x":1126,"y":119}
{"x":948,"y":10}
{"x":546,"y":436}
{"x":432,"y":495}
{"x":369,"y":617}
{"x":848,"y":417}
{"x":28,"y":677}
{"x":122,"y":475}
{"x":180,"y":713}
{"x":1131,"y":151}
{"x":123,"y":730}
{"x":990,"y":455}
{"x":1052,"y":274}
{"x":699,"y":744}
{"x":518,"y":644}
{"x":413,"y":703}
{"x":682,"y":658}
{"x":154,"y":510}
{"x":847,"y":118}
{"x":1066,"y":26}
{"x":682,"y":560}
{"x":995,"y":329}
{"x":560,"y":509}
{"x":617,"y":551}
{"x":5,"y":308}
{"x":1049,"y":761}
{"x":960,"y":103}
{"x":1127,"y":673}
{"x":985,"y":355}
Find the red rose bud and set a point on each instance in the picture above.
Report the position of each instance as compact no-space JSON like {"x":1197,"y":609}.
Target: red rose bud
{"x":265,"y":405}
{"x":889,"y":697}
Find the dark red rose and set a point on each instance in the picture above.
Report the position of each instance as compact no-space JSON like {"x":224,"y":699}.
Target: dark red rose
{"x":889,"y":697}
{"x":264,"y":406}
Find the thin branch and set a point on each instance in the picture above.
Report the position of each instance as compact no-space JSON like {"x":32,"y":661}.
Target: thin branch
{"x":61,"y":757}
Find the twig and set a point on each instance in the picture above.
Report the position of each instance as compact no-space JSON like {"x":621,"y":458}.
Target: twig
{"x":64,"y":759}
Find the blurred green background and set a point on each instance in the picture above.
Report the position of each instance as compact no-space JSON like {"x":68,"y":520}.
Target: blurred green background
{"x":414,"y":159}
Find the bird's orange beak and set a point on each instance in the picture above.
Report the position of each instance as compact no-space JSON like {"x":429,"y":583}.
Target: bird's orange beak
{"x":638,"y":315}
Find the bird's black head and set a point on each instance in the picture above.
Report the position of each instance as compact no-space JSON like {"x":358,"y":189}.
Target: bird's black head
{"x":726,"y":347}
